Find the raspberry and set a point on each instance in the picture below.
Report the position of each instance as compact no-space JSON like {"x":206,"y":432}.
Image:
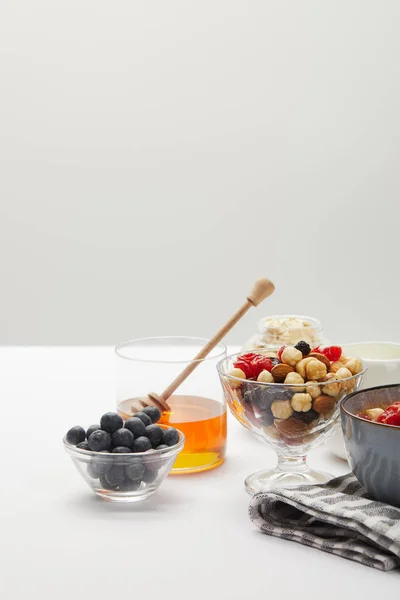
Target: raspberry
{"x":332,"y":353}
{"x":252,"y":364}
{"x":317,"y":349}
{"x":245,"y":366}
{"x":391,"y":416}
{"x":393,"y":419}
{"x":262,"y":363}
{"x":248,"y":357}
{"x":280,"y":352}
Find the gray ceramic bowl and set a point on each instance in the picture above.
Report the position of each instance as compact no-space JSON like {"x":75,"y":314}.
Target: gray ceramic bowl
{"x":373,"y":449}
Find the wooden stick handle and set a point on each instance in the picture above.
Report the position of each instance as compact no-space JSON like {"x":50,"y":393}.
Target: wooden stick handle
{"x":261,"y":290}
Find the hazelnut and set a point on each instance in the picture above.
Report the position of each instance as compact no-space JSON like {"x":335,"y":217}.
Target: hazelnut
{"x":354,"y":365}
{"x":313,"y":389}
{"x":236,"y":373}
{"x":265,"y":377}
{"x":291,"y":356}
{"x":344,"y":373}
{"x":294,"y":379}
{"x":335,"y":366}
{"x":315,"y":369}
{"x":301,"y":367}
{"x":301,"y":402}
{"x":281,"y":409}
{"x":333,"y":388}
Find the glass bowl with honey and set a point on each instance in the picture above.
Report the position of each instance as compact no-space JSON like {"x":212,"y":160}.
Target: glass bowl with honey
{"x":198,"y":407}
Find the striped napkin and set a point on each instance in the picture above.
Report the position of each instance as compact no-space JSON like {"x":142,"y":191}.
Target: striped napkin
{"x":337,"y":517}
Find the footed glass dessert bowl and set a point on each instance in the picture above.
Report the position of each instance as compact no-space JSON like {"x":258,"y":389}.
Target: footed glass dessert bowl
{"x":124,"y":477}
{"x":291,"y":402}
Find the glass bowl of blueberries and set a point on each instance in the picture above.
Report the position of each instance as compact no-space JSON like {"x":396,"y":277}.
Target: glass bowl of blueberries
{"x":290,"y":400}
{"x":124,"y":461}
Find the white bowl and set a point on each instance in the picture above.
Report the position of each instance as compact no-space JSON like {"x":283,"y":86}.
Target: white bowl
{"x":382,"y":360}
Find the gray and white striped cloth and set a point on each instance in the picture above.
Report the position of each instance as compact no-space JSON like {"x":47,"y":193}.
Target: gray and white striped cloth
{"x":336,"y":517}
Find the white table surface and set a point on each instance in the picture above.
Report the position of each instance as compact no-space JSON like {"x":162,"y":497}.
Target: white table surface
{"x":193,"y":539}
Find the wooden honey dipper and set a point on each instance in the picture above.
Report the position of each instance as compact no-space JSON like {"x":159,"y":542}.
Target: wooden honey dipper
{"x":261,"y":289}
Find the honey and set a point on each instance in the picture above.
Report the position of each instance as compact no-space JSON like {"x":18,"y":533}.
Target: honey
{"x":203,"y":421}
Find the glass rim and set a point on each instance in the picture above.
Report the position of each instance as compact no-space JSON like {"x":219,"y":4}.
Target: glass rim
{"x":222,"y":373}
{"x":80,"y":453}
{"x":344,"y":410}
{"x":119,"y":347}
{"x":316,"y":324}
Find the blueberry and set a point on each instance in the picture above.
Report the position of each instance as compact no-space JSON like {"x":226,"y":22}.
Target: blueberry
{"x":76,"y":435}
{"x":153,"y":463}
{"x":115,"y":475}
{"x":83,"y":446}
{"x":266,"y":418}
{"x":121,"y":450}
{"x":134,"y":470}
{"x":122,"y":437}
{"x":149,"y":476}
{"x":99,"y":440}
{"x":135,"y":426}
{"x":110,"y":422}
{"x":102,"y":466}
{"x":153,"y":413}
{"x":170,"y":436}
{"x":154,"y":433}
{"x":130,"y":486}
{"x":105,"y":485}
{"x":248,"y":391}
{"x":90,"y":430}
{"x":278,"y":392}
{"x":307,"y":417}
{"x":262,"y":397}
{"x":91,"y":471}
{"x":141,"y":444}
{"x":143,"y":417}
{"x":303,"y":347}
{"x":162,"y":447}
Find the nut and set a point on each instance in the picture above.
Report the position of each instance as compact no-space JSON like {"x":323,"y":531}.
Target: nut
{"x":354,"y":365}
{"x":295,"y":379}
{"x":236,"y":373}
{"x":323,"y":404}
{"x":265,"y":377}
{"x":301,"y":367}
{"x":315,"y":369}
{"x":320,"y":357}
{"x":313,"y":389}
{"x":335,"y":366}
{"x":344,"y":373}
{"x":301,"y":402}
{"x":291,"y":427}
{"x":332,"y":388}
{"x":291,"y":356}
{"x":280,"y":371}
{"x":281,"y":409}
{"x":374,"y":413}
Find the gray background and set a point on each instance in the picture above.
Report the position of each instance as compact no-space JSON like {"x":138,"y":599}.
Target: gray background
{"x":156,"y":157}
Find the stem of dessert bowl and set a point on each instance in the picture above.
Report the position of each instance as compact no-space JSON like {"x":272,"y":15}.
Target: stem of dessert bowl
{"x":290,"y":472}
{"x":289,"y":464}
